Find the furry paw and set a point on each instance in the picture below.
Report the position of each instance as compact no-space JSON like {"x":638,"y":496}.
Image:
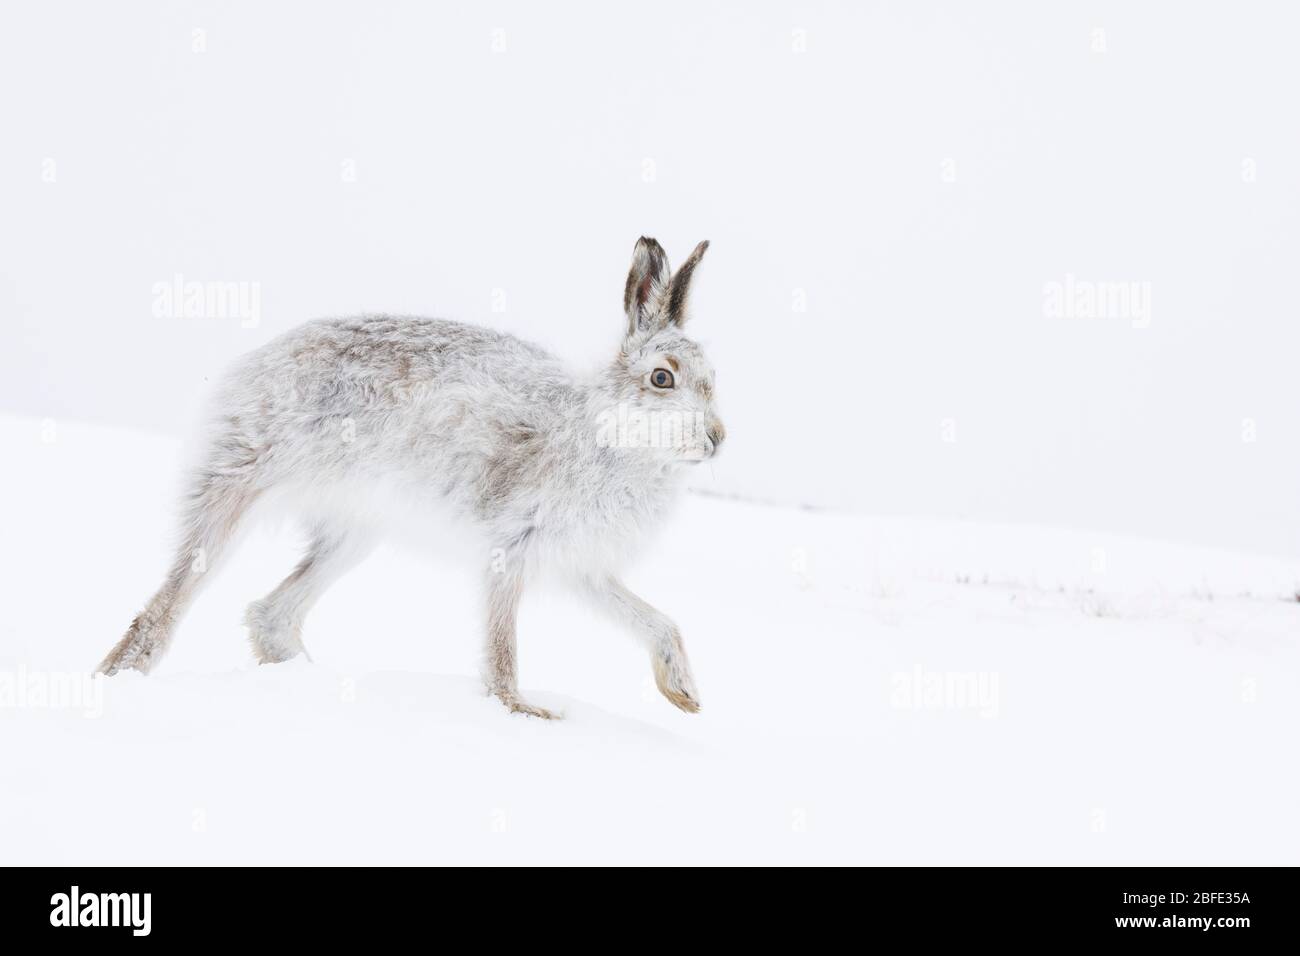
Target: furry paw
{"x":124,"y":659}
{"x":274,"y":641}
{"x":517,"y":705}
{"x":673,"y":678}
{"x":134,"y":651}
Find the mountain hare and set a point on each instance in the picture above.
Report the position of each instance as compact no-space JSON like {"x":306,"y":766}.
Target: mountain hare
{"x":359,"y":423}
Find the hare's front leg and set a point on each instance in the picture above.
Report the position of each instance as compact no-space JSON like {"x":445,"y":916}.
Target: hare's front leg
{"x":503,"y":590}
{"x":661,"y":638}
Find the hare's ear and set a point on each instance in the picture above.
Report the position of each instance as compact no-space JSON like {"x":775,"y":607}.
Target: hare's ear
{"x":679,"y":287}
{"x":647,"y":282}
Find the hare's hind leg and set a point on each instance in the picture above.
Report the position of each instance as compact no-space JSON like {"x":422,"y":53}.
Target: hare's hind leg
{"x":659,"y":635}
{"x":504,"y":588}
{"x":213,"y":511}
{"x":275,"y":622}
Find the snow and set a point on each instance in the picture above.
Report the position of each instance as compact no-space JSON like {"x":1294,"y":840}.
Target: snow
{"x":876,"y":690}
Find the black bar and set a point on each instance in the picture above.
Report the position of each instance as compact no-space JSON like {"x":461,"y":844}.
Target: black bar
{"x":332,"y":906}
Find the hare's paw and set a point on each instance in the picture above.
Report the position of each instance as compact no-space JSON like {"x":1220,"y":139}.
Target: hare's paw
{"x":674,"y":680}
{"x":124,"y":656}
{"x":273,"y":638}
{"x":517,"y":705}
{"x":270,"y":647}
{"x":134,"y":651}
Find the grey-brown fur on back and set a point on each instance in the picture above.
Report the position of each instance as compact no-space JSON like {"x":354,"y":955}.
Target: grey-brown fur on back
{"x":375,"y":423}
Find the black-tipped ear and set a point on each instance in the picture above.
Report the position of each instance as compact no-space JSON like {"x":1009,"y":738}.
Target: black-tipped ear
{"x":679,"y":288}
{"x":647,"y":281}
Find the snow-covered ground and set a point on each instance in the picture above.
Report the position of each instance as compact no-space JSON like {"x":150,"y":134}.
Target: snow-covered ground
{"x":875,"y":691}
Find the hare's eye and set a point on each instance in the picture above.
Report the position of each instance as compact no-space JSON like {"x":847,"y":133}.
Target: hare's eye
{"x":661,"y":378}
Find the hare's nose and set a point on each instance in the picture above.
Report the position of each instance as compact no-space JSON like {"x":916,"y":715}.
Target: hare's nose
{"x":717,"y":433}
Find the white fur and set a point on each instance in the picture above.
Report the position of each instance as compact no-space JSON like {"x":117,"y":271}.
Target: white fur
{"x":382,"y":424}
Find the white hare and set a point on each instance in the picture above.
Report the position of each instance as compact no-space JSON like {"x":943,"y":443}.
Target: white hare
{"x":360,"y":423}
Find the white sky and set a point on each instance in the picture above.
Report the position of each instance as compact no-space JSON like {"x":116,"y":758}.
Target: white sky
{"x":822,"y":171}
